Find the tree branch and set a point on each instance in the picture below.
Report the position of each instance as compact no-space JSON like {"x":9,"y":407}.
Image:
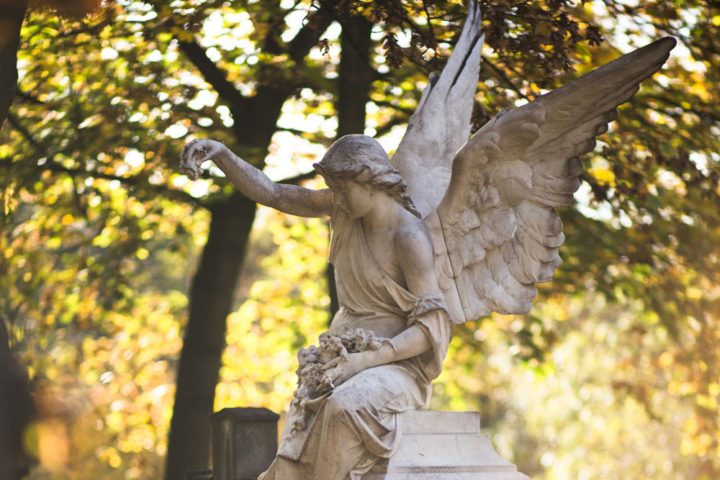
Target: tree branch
{"x":312,"y":137}
{"x":298,"y":48}
{"x":28,"y":96}
{"x":309,"y":35}
{"x":709,"y":115}
{"x":214,"y":75}
{"x":504,"y":77}
{"x":299,"y":178}
{"x":53,"y":166}
{"x":382,"y":103}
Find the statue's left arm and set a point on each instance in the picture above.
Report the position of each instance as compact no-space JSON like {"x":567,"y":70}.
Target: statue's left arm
{"x":430,"y":327}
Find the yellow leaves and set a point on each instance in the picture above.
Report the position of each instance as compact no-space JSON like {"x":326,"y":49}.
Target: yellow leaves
{"x":66,"y":220}
{"x":707,"y":402}
{"x":104,"y":239}
{"x":325,"y":107}
{"x":132,"y":401}
{"x":714,"y":389}
{"x":53,"y":443}
{"x":110,"y":455}
{"x":286,"y":310}
{"x":91,"y":121}
{"x":126,"y":356}
{"x":695,"y":441}
{"x":665,"y":360}
{"x":716,"y":20}
{"x":5,"y":151}
{"x":604,"y":176}
{"x":115,"y":419}
{"x":9,"y":201}
{"x":54,"y":243}
{"x":694,"y":293}
{"x":700,"y":89}
{"x":682,"y":388}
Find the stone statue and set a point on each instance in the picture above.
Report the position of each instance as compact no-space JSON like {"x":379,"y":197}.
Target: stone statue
{"x":454,"y":229}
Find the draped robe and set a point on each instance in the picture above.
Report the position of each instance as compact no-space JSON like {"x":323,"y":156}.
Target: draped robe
{"x":357,"y":424}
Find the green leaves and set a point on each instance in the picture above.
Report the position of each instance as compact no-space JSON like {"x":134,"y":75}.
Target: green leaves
{"x":99,"y":233}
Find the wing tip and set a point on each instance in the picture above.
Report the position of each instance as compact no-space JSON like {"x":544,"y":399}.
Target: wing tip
{"x":667,"y":43}
{"x":474,"y":14}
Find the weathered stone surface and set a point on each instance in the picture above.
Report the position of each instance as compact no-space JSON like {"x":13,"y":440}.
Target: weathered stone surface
{"x":244,"y":442}
{"x":443,"y":446}
{"x":454,"y":229}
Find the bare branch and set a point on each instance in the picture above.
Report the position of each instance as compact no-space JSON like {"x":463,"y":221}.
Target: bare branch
{"x":214,"y":75}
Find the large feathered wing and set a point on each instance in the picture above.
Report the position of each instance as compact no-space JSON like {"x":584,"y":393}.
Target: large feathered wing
{"x":441,"y":122}
{"x":497,"y":232}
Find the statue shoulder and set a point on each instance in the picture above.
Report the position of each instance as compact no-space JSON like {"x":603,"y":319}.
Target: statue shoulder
{"x":413,"y":243}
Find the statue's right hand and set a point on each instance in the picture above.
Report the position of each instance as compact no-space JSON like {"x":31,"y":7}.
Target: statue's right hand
{"x":341,"y":369}
{"x":197,"y":152}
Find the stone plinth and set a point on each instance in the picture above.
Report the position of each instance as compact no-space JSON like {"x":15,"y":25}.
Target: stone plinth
{"x":444,"y":446}
{"x":244,"y":442}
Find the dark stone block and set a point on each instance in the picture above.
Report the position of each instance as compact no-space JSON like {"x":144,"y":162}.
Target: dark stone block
{"x":244,"y":442}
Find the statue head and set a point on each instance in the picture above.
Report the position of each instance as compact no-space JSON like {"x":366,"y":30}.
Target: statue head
{"x":362,"y":159}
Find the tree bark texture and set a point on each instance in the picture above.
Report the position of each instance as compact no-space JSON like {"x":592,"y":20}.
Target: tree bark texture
{"x":12,"y":13}
{"x":211,"y":299}
{"x":16,"y":411}
{"x":211,"y":296}
{"x":355,"y":77}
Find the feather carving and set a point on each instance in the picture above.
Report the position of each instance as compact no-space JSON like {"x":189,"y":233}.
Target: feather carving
{"x":489,"y":202}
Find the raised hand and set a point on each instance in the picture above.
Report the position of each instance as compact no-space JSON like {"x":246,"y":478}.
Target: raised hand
{"x":197,"y":152}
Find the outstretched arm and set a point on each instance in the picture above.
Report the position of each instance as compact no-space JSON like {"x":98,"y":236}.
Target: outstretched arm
{"x":254,"y":183}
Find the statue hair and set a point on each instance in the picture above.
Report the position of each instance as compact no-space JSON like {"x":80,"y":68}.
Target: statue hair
{"x":362,"y":159}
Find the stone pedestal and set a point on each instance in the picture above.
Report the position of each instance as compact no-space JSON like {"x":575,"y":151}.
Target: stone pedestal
{"x":244,"y":442}
{"x":444,"y":446}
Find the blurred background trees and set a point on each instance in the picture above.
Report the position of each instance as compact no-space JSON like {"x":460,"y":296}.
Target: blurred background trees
{"x":119,"y":276}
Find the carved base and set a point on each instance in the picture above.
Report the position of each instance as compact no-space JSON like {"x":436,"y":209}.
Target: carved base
{"x":446,"y":476}
{"x":444,"y":446}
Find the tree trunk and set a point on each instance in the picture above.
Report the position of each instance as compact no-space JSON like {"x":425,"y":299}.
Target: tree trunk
{"x":255,"y":122}
{"x":354,"y":79}
{"x":211,"y":296}
{"x":211,"y":300}
{"x":12,"y":13}
{"x":355,"y":75}
{"x":16,"y":411}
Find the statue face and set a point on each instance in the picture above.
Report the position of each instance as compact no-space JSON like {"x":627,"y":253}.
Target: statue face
{"x":355,"y":199}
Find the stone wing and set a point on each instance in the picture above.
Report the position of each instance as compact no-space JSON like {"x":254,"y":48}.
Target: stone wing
{"x":441,"y":122}
{"x":497,"y":232}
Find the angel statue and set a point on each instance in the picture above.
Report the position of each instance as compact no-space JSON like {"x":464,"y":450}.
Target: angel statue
{"x":452,"y":230}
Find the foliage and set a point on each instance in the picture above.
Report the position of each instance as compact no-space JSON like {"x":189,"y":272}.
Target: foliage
{"x":284,"y":309}
{"x":601,"y":403}
{"x":614,"y":369}
{"x":94,"y":311}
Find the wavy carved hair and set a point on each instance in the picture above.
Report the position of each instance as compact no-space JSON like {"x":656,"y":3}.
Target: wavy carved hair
{"x":362,"y":159}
